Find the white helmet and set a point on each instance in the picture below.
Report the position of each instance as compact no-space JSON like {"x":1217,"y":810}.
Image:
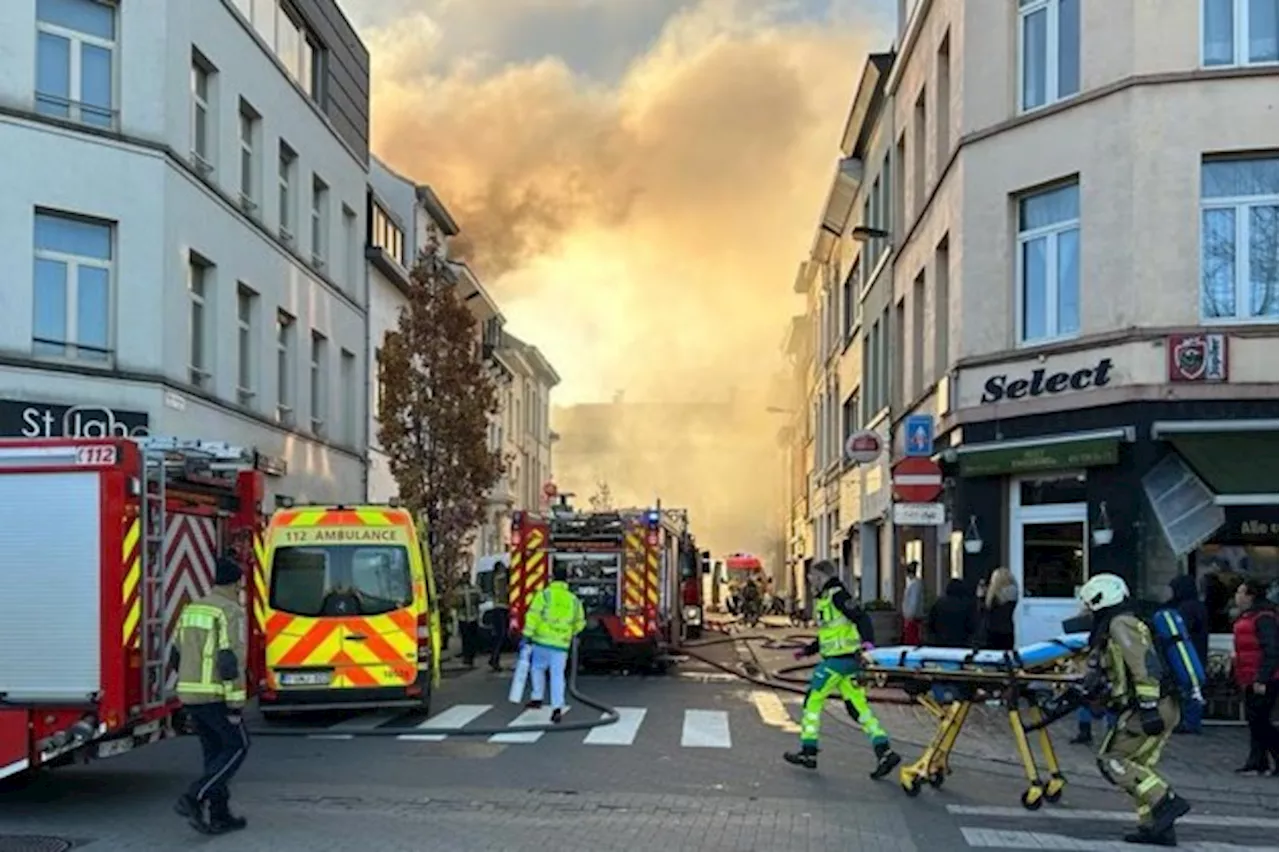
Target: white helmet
{"x":1103,"y":591}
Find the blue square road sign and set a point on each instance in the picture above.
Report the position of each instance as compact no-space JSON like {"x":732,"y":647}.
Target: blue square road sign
{"x":918,"y":436}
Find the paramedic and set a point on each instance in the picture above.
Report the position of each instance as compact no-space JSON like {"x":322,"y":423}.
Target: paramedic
{"x":1130,"y":665}
{"x":555,"y":617}
{"x":499,"y":615}
{"x":466,"y":608}
{"x":844,"y":632}
{"x":209,"y":651}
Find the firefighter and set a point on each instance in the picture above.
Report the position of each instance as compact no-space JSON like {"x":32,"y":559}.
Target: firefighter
{"x":555,"y":617}
{"x":1128,"y":667}
{"x":842,"y":629}
{"x":209,"y":652}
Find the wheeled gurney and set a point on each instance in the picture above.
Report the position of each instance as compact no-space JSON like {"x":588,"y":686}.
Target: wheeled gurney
{"x":948,"y":681}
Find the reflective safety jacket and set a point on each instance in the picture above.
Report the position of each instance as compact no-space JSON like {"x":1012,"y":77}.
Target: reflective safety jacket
{"x":1131,"y":661}
{"x":555,"y":616}
{"x":842,"y":624}
{"x":210,"y":645}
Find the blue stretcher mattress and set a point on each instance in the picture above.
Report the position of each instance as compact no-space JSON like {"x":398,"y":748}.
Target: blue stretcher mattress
{"x":1033,"y":656}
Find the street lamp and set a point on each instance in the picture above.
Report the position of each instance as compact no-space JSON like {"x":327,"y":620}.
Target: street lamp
{"x":864,"y":233}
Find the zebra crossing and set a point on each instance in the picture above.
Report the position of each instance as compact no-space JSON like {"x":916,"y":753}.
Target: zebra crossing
{"x":1069,"y":830}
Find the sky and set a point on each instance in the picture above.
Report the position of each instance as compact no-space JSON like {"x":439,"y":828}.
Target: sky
{"x":636,"y":182}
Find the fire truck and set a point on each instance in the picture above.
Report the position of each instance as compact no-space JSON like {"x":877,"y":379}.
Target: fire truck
{"x":105,"y":540}
{"x":635,"y":570}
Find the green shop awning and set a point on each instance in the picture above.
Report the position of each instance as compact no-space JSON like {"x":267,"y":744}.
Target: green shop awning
{"x":1072,"y":450}
{"x":1234,"y":458}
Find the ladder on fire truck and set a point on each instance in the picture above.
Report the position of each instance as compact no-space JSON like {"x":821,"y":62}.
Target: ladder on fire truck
{"x":163,"y":459}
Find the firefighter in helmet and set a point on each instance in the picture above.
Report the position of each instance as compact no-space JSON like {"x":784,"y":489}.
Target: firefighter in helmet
{"x":1129,"y":673}
{"x":844,"y":631}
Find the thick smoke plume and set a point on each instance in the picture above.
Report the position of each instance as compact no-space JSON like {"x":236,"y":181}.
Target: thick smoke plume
{"x":642,"y":229}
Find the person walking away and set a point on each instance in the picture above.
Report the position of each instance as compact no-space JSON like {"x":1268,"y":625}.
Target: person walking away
{"x":953,"y":619}
{"x":555,"y":617}
{"x":844,"y":632}
{"x":500,"y":614}
{"x":209,"y":654}
{"x":1139,"y":690}
{"x":1184,"y":598}
{"x":1001,"y":601}
{"x":466,"y":608}
{"x":913,"y":607}
{"x":1254,"y":635}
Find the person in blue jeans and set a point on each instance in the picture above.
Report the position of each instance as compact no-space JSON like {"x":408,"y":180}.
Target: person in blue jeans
{"x":1085,"y":717}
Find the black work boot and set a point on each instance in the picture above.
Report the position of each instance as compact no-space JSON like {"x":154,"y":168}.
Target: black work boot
{"x":1084,"y":736}
{"x":1167,"y":811}
{"x":556,"y":715}
{"x":886,"y":760}
{"x":807,"y":757}
{"x":226,"y":822}
{"x":1144,"y":836}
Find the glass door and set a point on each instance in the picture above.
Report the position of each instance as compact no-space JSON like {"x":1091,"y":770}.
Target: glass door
{"x":1048,"y":548}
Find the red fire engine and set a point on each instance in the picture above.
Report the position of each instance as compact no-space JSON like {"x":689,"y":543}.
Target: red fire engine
{"x":635,"y":570}
{"x":105,"y":540}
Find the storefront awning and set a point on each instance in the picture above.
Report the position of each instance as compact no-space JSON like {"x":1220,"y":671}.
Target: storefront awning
{"x":1044,"y":452}
{"x":1237,"y":459}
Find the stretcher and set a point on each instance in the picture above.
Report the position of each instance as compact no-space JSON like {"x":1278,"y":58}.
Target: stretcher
{"x":949,"y":681}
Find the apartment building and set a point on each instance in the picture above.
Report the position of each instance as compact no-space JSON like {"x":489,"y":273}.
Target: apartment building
{"x":188,"y":180}
{"x":527,"y":410}
{"x":1083,"y":256}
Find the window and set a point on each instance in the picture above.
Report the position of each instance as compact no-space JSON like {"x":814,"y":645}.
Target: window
{"x":72,"y":299}
{"x":852,"y":292}
{"x":75,"y":60}
{"x":1240,"y":32}
{"x":347,"y":375}
{"x":246,"y":313}
{"x":286,"y":328}
{"x":920,"y":128}
{"x":941,"y":307}
{"x":200,"y":331}
{"x":897,"y":353}
{"x":378,"y":383}
{"x":202,"y":122}
{"x":942,"y":119}
{"x":1049,"y":54}
{"x":352,"y":249}
{"x":917,"y":337}
{"x":851,"y":415}
{"x":319,"y":222}
{"x":249,"y":119}
{"x":387,"y":235}
{"x":319,"y":383}
{"x":1048,"y":263}
{"x":1239,"y":199}
{"x":340,"y":579}
{"x":288,"y":165}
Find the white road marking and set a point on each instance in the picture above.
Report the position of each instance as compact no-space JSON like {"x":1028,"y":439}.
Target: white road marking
{"x":456,"y":717}
{"x":1107,"y":816}
{"x":773,"y":712}
{"x":621,"y":733}
{"x":524,"y":720}
{"x":705,"y":729}
{"x":986,"y":838}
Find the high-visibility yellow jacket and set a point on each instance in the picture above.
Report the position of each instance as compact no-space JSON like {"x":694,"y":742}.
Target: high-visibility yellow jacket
{"x":211,"y":649}
{"x":555,"y":616}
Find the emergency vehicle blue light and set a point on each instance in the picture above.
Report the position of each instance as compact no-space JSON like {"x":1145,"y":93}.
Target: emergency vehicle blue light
{"x":652,"y":516}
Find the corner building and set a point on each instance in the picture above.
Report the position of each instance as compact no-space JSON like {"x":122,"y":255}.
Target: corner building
{"x":183,"y":206}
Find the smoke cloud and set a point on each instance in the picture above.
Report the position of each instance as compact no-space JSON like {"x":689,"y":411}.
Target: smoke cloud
{"x":638,"y":210}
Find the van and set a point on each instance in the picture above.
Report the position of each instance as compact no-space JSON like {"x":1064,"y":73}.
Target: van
{"x":349,"y":616}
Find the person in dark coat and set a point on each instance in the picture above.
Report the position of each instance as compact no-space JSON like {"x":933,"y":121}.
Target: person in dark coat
{"x":1184,"y":598}
{"x":953,"y":619}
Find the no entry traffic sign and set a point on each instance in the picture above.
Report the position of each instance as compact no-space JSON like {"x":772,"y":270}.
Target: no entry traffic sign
{"x":916,"y":480}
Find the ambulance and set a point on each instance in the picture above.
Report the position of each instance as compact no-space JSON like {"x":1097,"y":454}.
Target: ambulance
{"x":347,"y":607}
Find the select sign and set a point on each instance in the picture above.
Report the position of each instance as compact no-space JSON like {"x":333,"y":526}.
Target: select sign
{"x":919,"y":514}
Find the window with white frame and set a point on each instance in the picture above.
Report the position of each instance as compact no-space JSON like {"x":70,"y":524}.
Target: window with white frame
{"x":75,"y":60}
{"x":246,"y":313}
{"x":1240,"y":32}
{"x":319,"y":383}
{"x":1048,"y":51}
{"x":378,"y":382}
{"x":72,"y":287}
{"x":319,"y":222}
{"x":347,"y":375}
{"x":200,"y":324}
{"x":1239,"y":200}
{"x":203,"y":126}
{"x":351,"y":251}
{"x":284,"y":178}
{"x":1048,"y":261}
{"x":286,"y":330}
{"x":249,"y":119}
{"x":387,"y":235}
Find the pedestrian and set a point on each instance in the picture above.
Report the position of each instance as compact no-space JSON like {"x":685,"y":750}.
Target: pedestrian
{"x":913,"y":607}
{"x":999,"y":605}
{"x":1195,"y":616}
{"x":500,"y":614}
{"x":1254,"y":635}
{"x":953,"y":619}
{"x":1122,"y":647}
{"x":466,"y":609}
{"x":209,"y":654}
{"x":844,"y":632}
{"x":555,"y":617}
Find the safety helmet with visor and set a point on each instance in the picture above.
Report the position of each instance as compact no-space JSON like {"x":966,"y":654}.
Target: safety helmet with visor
{"x":1103,"y":592}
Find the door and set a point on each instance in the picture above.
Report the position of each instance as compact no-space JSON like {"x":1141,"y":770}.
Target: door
{"x":1048,"y":553}
{"x":433,"y":606}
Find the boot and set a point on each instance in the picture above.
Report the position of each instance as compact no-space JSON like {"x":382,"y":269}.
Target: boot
{"x":1083,"y":737}
{"x":191,"y":808}
{"x":536,"y":704}
{"x":226,"y":822}
{"x":1146,"y":837}
{"x":807,"y":757}
{"x":556,"y":715}
{"x":1167,"y":811}
{"x":886,"y":760}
